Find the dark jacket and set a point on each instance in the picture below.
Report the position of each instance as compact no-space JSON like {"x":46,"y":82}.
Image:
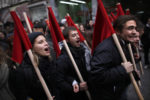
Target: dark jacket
{"x":108,"y":78}
{"x":25,"y":83}
{"x":5,"y":93}
{"x":145,"y":39}
{"x":66,"y":73}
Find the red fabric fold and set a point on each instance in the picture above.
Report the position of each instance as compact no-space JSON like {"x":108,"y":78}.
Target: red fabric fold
{"x":21,"y":41}
{"x":113,"y":16}
{"x":55,"y":25}
{"x":119,"y":10}
{"x":128,"y":12}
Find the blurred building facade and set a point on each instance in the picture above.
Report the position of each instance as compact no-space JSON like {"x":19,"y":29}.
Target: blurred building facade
{"x":80,"y":12}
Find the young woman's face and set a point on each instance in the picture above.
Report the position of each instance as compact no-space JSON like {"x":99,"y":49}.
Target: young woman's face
{"x":41,"y":46}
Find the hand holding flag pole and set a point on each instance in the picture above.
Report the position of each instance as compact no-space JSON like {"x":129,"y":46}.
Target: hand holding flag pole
{"x":133,"y":60}
{"x":125,"y":60}
{"x":21,"y":39}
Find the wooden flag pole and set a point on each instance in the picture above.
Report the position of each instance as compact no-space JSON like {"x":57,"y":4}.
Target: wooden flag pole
{"x":76,"y":67}
{"x":140,"y":62}
{"x":27,"y":22}
{"x":125,"y":60}
{"x":85,"y":42}
{"x":133,"y":60}
{"x":39,"y":75}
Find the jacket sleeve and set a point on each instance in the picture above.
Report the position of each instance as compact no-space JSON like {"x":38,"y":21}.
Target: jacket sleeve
{"x":64,"y":81}
{"x":17,"y":83}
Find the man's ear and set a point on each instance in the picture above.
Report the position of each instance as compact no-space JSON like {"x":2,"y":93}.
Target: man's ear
{"x":67,"y":40}
{"x":117,"y":32}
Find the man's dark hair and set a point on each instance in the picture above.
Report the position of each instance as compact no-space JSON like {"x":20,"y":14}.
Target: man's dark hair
{"x":40,"y":25}
{"x":67,"y":30}
{"x":121,"y":20}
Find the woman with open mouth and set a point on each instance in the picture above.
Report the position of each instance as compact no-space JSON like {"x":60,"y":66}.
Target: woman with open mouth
{"x":25,"y":81}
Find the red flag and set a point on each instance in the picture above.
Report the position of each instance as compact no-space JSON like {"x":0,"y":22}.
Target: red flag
{"x":56,"y":33}
{"x":127,"y":11}
{"x":54,"y":39}
{"x":71,"y":23}
{"x":119,"y":10}
{"x":21,"y":40}
{"x":103,"y":28}
{"x":55,"y":25}
{"x":31,"y":24}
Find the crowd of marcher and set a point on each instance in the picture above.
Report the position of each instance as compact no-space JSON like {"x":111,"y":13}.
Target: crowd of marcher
{"x":105,"y":75}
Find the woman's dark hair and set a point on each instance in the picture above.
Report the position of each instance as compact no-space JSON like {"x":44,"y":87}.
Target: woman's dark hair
{"x":67,"y":30}
{"x":121,"y":20}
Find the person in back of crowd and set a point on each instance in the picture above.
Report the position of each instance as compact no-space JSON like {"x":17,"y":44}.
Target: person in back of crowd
{"x":62,"y":26}
{"x":88,"y":37}
{"x":49,"y":40}
{"x":24,"y":80}
{"x":145,"y":41}
{"x":2,"y":35}
{"x":39,"y":27}
{"x":109,"y":74}
{"x":82,"y":29}
{"x":136,"y":42}
{"x":90,"y":24}
{"x":69,"y":84}
{"x":5,"y":93}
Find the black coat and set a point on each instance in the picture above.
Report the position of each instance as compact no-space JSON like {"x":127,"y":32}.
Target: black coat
{"x":146,"y":37}
{"x":108,"y":78}
{"x":66,"y":73}
{"x":25,"y":83}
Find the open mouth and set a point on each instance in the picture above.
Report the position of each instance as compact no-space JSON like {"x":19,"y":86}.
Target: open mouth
{"x":78,"y":41}
{"x":46,"y":49}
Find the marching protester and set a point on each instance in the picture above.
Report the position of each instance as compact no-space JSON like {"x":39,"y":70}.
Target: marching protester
{"x":39,"y":27}
{"x":136,"y":42}
{"x":24,"y":81}
{"x":5,"y":93}
{"x":145,"y":41}
{"x":69,"y":84}
{"x":109,"y":74}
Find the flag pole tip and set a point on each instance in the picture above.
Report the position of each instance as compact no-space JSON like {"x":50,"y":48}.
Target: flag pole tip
{"x":118,"y":3}
{"x":68,"y":14}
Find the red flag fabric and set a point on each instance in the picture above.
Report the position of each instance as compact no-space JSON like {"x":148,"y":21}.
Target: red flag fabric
{"x":31,"y":24}
{"x":119,"y":10}
{"x":54,"y":39}
{"x":21,"y":40}
{"x":55,"y":25}
{"x":71,"y":23}
{"x":103,"y":27}
{"x":127,"y":11}
{"x":113,"y":16}
{"x":110,"y":18}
